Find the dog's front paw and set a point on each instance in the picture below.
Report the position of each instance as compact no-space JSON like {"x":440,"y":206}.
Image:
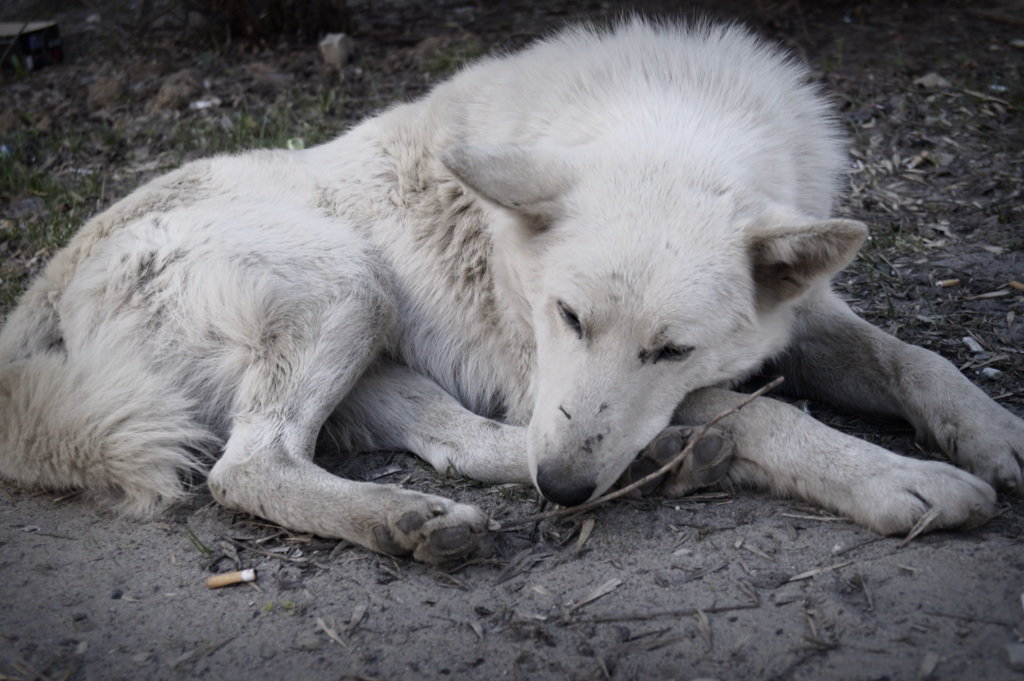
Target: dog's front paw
{"x":930,"y":493}
{"x":432,"y":529}
{"x":988,"y":442}
{"x":706,"y":465}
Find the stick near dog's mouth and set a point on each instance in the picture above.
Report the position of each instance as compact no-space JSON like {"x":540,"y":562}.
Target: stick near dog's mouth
{"x":650,"y":477}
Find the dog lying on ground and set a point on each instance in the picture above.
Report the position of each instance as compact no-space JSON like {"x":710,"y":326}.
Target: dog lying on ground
{"x":529,"y":275}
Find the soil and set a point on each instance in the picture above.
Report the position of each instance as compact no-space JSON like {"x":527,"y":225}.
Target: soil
{"x":712,"y":586}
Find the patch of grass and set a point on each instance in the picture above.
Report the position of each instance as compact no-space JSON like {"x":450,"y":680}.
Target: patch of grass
{"x":832,"y":60}
{"x":299,"y":116}
{"x":289,"y":608}
{"x":44,"y":197}
{"x":450,"y":56}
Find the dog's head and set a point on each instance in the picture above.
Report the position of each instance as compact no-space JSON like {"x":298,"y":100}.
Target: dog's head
{"x":641,"y":286}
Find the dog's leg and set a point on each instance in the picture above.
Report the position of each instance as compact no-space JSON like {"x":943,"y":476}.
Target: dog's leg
{"x":394,"y":407}
{"x":778,"y":447}
{"x":837,"y":357}
{"x":285,"y":395}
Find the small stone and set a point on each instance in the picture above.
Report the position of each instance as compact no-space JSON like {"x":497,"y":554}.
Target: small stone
{"x":1015,"y":656}
{"x":991,"y":372}
{"x":336,"y":48}
{"x":209,"y":103}
{"x":974,"y":345}
{"x":931,"y":81}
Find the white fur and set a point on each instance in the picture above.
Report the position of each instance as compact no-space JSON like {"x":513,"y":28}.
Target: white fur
{"x":422,"y":277}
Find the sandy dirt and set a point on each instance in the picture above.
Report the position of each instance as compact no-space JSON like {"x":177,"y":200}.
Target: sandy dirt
{"x":715,"y":586}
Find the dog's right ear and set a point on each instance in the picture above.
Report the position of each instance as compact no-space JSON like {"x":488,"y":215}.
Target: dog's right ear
{"x":788,"y":261}
{"x":526,"y":180}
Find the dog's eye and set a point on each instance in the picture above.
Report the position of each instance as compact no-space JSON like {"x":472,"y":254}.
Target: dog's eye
{"x":666,"y":353}
{"x":672,"y":353}
{"x":570,"y":318}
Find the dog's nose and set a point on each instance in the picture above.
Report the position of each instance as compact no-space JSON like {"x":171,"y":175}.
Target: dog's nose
{"x":562,"y":489}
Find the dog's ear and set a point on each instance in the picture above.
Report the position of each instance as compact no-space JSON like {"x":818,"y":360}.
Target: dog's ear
{"x":788,"y":261}
{"x":526,"y":180}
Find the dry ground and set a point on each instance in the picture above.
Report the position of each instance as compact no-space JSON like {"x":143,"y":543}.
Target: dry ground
{"x":712,"y":586}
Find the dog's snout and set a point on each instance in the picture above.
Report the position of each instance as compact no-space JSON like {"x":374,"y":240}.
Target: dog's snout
{"x":562,"y":489}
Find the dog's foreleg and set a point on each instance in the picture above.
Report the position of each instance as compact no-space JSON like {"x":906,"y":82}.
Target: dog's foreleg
{"x":317,"y":352}
{"x":839,"y":358}
{"x":778,"y":447}
{"x":394,"y":407}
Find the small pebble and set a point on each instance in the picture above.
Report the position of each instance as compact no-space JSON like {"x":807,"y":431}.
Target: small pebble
{"x":974,"y":345}
{"x":335,"y":49}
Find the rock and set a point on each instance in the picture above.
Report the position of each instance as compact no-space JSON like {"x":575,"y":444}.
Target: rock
{"x":335,"y":49}
{"x":177,"y":91}
{"x":105,"y":92}
{"x":208,"y":103}
{"x":931,"y":81}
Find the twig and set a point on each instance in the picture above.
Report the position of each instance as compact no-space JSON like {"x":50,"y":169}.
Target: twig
{"x":622,"y":491}
{"x":988,"y":98}
{"x":264,"y":552}
{"x":200,"y":546}
{"x":675,"y":612}
{"x":923,"y":524}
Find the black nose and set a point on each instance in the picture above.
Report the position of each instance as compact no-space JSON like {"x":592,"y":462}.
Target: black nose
{"x":562,"y":489}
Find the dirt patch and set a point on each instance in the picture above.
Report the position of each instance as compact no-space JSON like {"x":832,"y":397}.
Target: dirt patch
{"x":711,"y":586}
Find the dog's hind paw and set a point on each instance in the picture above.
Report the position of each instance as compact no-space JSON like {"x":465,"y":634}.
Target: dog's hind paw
{"x":706,"y":465}
{"x":431,"y":529}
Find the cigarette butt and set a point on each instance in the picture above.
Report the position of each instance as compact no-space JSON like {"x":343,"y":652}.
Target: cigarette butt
{"x":1016,"y":285}
{"x":228,"y":578}
{"x":946,"y":283}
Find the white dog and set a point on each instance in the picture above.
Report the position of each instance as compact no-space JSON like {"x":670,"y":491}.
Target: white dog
{"x":519,"y":276}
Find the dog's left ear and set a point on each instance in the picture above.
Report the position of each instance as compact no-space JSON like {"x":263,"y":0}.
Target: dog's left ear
{"x":527,"y":180}
{"x":787,"y":261}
